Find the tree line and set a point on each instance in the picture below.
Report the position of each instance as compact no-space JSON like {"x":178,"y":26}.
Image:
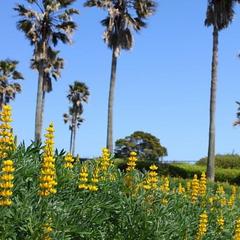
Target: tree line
{"x":45,"y":23}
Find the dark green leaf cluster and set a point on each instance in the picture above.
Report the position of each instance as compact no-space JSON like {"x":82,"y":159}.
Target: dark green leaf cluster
{"x":220,"y":13}
{"x":146,"y":146}
{"x":45,"y":24}
{"x":78,"y":94}
{"x":123,"y":16}
{"x":8,"y":85}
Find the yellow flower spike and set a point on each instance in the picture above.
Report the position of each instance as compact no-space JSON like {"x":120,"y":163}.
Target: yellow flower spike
{"x":6,"y":183}
{"x":181,"y":189}
{"x":195,"y":189}
{"x":105,"y":160}
{"x":6,"y":134}
{"x":131,"y":164}
{"x":68,"y":159}
{"x":203,"y":185}
{"x":48,"y":170}
{"x":237,"y":230}
{"x":202,"y":226}
{"x":220,"y":222}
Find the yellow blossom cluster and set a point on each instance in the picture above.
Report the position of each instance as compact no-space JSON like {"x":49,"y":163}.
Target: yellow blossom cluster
{"x":105,"y":160}
{"x":220,"y":196}
{"x":47,"y":230}
{"x":68,"y":161}
{"x":48,"y":171}
{"x":220,"y":222}
{"x":84,"y":185}
{"x":180,"y":189}
{"x":188,"y":186}
{"x":232,"y":197}
{"x":94,"y":180}
{"x":165,"y":186}
{"x":6,"y":183}
{"x":195,"y":188}
{"x":131,"y":164}
{"x":152,"y":179}
{"x":202,"y":226}
{"x":6,"y":134}
{"x":203,"y":184}
{"x":237,"y":230}
{"x":83,"y":178}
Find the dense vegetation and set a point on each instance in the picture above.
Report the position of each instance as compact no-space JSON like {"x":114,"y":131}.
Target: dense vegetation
{"x":125,"y":205}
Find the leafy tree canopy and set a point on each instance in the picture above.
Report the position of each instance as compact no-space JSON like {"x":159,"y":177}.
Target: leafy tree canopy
{"x":147,"y":146}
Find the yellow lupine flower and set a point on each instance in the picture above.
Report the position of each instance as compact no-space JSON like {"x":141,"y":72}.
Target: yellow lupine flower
{"x":48,"y":172}
{"x":6,"y":183}
{"x":131,"y":164}
{"x":202,"y":226}
{"x":6,"y":134}
{"x":181,"y":189}
{"x":68,"y":161}
{"x":202,"y":184}
{"x":237,"y":230}
{"x":220,"y":222}
{"x":195,"y":188}
{"x":165,"y":186}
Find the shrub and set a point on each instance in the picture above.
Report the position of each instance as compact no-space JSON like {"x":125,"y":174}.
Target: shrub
{"x":223,"y":161}
{"x":184,"y":170}
{"x":187,"y":171}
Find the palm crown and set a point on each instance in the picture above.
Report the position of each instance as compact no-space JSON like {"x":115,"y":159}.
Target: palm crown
{"x":44,"y":25}
{"x":123,"y":16}
{"x":78,"y":93}
{"x":220,"y":13}
{"x":8,"y":76}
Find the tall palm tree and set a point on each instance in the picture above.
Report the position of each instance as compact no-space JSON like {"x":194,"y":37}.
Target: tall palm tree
{"x":77,"y":95}
{"x":123,"y":17}
{"x":45,"y":24}
{"x":8,"y":85}
{"x":219,"y":16}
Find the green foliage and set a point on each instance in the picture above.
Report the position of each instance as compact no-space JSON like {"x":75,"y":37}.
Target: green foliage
{"x":183,"y":170}
{"x":223,"y":161}
{"x":187,"y":171}
{"x":114,"y":212}
{"x":146,"y":146}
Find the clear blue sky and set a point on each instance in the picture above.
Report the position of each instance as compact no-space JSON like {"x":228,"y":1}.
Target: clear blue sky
{"x":162,"y":83}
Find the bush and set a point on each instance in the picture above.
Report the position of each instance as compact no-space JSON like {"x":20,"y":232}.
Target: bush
{"x":223,"y":161}
{"x":183,"y":170}
{"x":163,"y":168}
{"x":187,"y":171}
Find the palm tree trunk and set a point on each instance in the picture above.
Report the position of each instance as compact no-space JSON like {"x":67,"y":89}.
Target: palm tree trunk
{"x":211,"y":143}
{"x":39,"y":107}
{"x":71,"y":140}
{"x":110,"y":102}
{"x":74,"y":138}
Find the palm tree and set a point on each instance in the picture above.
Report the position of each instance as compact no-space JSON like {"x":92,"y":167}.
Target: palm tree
{"x":44,"y":25}
{"x":219,"y":16}
{"x":118,"y":35}
{"x":78,"y":93}
{"x":8,"y":85}
{"x":237,"y":122}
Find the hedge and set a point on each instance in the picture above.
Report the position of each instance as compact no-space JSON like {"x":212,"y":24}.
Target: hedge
{"x":223,"y":161}
{"x":184,"y":170}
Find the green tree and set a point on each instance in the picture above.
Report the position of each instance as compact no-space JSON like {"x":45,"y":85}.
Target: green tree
{"x":78,"y":93}
{"x":44,"y":25}
{"x":124,"y":16}
{"x":8,"y":77}
{"x":146,"y":146}
{"x":219,"y":16}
